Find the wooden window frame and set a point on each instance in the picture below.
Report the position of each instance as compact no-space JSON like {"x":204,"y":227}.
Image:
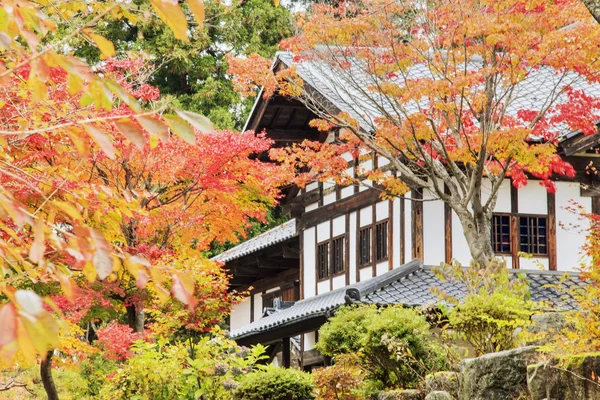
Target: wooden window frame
{"x":326,"y":259}
{"x":536,"y":236}
{"x":510,"y":239}
{"x":342,"y":271}
{"x":368,"y":229}
{"x":515,"y":234}
{"x":384,"y":223}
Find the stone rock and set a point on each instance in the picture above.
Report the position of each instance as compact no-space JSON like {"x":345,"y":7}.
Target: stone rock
{"x":403,"y":394}
{"x":570,"y":378}
{"x":439,"y":395}
{"x":496,"y":376}
{"x":444,"y":381}
{"x":546,"y":325}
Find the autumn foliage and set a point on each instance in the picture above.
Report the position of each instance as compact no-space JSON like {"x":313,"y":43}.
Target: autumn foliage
{"x":452,"y":93}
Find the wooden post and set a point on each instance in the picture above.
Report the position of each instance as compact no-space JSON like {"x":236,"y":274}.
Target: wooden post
{"x":447,"y":229}
{"x":417,"y":224}
{"x":514,"y":225}
{"x":552,"y":231}
{"x":286,"y":355}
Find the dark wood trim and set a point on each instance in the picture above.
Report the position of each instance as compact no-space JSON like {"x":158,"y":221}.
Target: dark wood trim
{"x":321,"y":194}
{"x":596,"y":205}
{"x":251,"y":307}
{"x":301,"y":277}
{"x":390,"y":235}
{"x":262,"y":106}
{"x":447,"y":229}
{"x":551,"y":231}
{"x":269,"y":283}
{"x":316,"y":273}
{"x":417,"y":224}
{"x":579,"y":143}
{"x":373,"y":238}
{"x":331,"y":254}
{"x":286,"y":352}
{"x":334,"y":210}
{"x":347,"y":249}
{"x":357,"y":255}
{"x":514,"y":225}
{"x":402,"y":231}
{"x":275,"y":335}
{"x":355,"y":173}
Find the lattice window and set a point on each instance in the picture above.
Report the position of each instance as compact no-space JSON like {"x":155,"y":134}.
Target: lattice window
{"x":337,"y":255}
{"x":501,"y":234}
{"x":381,"y":241}
{"x":533,"y":235}
{"x":323,"y":260}
{"x":364,"y":246}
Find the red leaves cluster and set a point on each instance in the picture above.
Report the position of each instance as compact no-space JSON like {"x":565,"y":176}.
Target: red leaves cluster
{"x":116,"y":340}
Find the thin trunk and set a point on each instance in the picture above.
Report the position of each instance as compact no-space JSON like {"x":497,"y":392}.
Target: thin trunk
{"x":46,"y":374}
{"x":135,"y":319}
{"x":478,"y":232}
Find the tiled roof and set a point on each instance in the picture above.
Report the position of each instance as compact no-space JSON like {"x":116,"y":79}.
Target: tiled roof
{"x":415,"y":289}
{"x":345,"y":87}
{"x":410,"y":285}
{"x":276,"y":235}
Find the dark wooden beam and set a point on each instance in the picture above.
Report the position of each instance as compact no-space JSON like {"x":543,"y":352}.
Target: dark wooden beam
{"x":290,"y":252}
{"x":447,"y":229}
{"x":417,"y":224}
{"x":551,"y":231}
{"x":344,"y":206}
{"x":286,"y":352}
{"x":276,"y":334}
{"x":272,"y":263}
{"x":579,"y":143}
{"x":291,"y":134}
{"x":514,"y":225}
{"x":402,"y":231}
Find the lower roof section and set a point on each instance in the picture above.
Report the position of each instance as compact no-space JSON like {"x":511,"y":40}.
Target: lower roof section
{"x":409,"y":285}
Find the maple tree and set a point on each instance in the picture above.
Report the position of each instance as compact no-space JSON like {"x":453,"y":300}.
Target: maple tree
{"x":103,"y":181}
{"x":458,"y":95}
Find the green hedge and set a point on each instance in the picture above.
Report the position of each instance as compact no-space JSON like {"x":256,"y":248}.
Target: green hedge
{"x":274,"y":383}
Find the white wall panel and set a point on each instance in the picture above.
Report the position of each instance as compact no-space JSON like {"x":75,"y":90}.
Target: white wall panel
{"x":258,"y":308}
{"x":533,"y":263}
{"x":339,"y":226}
{"x":569,"y":236}
{"x":323,"y":231}
{"x":312,"y":206}
{"x":366,"y":273}
{"x":312,"y":186}
{"x":407,"y":227}
{"x":309,"y":263}
{"x":309,"y":341}
{"x":381,"y":268}
{"x":339,"y":282}
{"x":329,"y":198}
{"x":353,"y":250}
{"x":460,"y":248}
{"x":382,"y":210}
{"x":433,"y":230}
{"x":347,"y":191}
{"x":533,"y":199}
{"x":240,"y":314}
{"x":323,"y":287}
{"x":396,"y":233}
{"x":366,"y":216}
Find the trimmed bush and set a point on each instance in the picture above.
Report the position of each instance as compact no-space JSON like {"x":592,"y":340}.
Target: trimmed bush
{"x":274,"y":383}
{"x":393,"y":343}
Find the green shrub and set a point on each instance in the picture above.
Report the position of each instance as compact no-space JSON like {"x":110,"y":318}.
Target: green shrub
{"x":94,"y":369}
{"x":343,"y":380}
{"x":393,"y":343}
{"x":274,"y":383}
{"x":488,"y":321}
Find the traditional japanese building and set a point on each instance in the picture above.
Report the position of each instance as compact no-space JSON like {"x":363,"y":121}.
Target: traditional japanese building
{"x":344,"y":245}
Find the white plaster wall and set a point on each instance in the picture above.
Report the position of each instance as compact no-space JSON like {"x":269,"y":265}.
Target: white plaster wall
{"x":323,"y":231}
{"x":533,"y":199}
{"x":273,"y":289}
{"x":312,"y":186}
{"x":352,"y":255}
{"x":396,"y":233}
{"x":366,"y":273}
{"x":309,"y":260}
{"x":339,"y":226}
{"x":569,"y":228}
{"x":309,"y":341}
{"x":366,"y":216}
{"x":534,"y":263}
{"x":339,"y":282}
{"x":323,"y":287}
{"x":347,"y":191}
{"x":381,"y":161}
{"x":312,"y":206}
{"x":240,"y":314}
{"x":382,"y":210}
{"x":381,"y":268}
{"x":460,"y":248}
{"x":347,"y":156}
{"x":258,"y":306}
{"x":329,"y":198}
{"x":503,"y":203}
{"x":433,"y":230}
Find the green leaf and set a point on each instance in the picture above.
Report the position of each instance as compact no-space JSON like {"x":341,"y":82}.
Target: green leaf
{"x":198,"y":121}
{"x":180,"y":128}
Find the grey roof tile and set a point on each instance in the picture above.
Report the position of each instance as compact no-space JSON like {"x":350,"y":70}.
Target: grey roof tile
{"x":409,"y":285}
{"x":276,"y":235}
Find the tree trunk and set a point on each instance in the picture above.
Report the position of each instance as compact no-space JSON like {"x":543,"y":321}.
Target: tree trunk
{"x":478,"y":232}
{"x":46,"y":374}
{"x":135,"y":319}
{"x":594,"y":7}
